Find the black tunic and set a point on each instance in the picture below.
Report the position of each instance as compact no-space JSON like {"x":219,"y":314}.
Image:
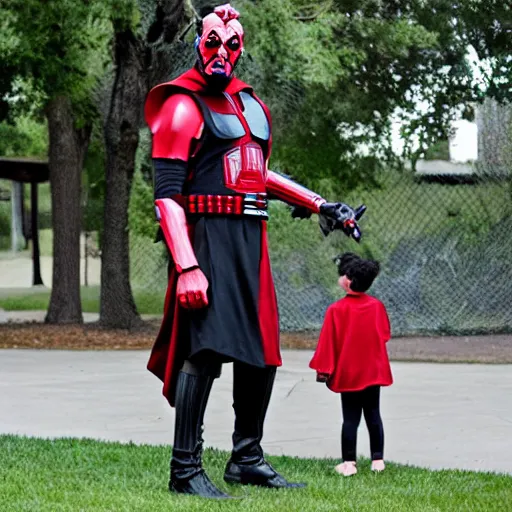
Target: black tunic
{"x":228,"y":251}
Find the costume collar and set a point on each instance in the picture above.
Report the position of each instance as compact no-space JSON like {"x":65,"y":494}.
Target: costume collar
{"x":194,"y":81}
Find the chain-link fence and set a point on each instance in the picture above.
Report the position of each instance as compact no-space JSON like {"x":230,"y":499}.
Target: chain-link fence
{"x":444,"y":246}
{"x":443,"y":241}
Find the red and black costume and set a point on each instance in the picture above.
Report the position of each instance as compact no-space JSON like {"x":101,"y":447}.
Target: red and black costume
{"x":211,"y":145}
{"x":351,"y":355}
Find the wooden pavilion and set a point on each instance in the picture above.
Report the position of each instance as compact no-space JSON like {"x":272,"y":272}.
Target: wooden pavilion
{"x":26,"y":170}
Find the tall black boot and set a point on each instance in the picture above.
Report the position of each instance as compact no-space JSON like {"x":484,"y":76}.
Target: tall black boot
{"x":252,"y":388}
{"x":187,"y":473}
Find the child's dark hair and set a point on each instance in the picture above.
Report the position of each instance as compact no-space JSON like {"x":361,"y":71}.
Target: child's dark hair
{"x":342,"y":261}
{"x":361,"y":272}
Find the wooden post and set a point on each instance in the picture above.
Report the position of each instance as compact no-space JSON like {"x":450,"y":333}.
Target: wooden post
{"x":86,"y":270}
{"x":36,"y":264}
{"x":14,"y":231}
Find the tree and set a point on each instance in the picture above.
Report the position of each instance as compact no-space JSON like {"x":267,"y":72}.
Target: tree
{"x":334,"y":73}
{"x":58,"y":45}
{"x":321,"y":67}
{"x":142,"y":32}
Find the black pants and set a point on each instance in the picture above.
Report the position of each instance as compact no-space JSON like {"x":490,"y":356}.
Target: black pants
{"x":352,"y":405}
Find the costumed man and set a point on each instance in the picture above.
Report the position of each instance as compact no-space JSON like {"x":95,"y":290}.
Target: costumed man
{"x":211,"y":145}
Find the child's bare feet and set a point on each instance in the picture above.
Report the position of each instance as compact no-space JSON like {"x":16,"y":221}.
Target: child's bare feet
{"x":347,"y":468}
{"x":378,"y":465}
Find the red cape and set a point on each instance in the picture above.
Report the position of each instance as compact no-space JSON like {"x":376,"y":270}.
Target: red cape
{"x":352,"y":344}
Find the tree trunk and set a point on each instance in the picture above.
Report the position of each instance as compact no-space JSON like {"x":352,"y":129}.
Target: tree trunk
{"x":67,"y":149}
{"x":134,"y":64}
{"x":117,"y":307}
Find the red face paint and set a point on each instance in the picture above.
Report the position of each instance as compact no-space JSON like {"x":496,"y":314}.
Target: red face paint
{"x":221,"y":42}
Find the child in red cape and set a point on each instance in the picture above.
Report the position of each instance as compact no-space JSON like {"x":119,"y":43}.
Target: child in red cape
{"x":351,"y":358}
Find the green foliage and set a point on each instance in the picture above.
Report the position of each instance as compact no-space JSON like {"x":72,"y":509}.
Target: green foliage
{"x":148,"y":302}
{"x":93,"y":188}
{"x":61,"y":45}
{"x":334,"y":72}
{"x":438,"y":151}
{"x":125,"y":14}
{"x":141,"y":213}
{"x":5,"y":219}
{"x":25,"y":137}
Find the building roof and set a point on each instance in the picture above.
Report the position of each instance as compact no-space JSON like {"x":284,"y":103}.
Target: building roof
{"x":26,"y":170}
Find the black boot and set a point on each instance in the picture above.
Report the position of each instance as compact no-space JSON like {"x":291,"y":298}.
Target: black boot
{"x":252,"y":388}
{"x":187,"y":473}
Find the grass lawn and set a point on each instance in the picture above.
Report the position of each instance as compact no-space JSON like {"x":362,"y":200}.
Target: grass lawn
{"x":148,"y":303}
{"x":84,"y":475}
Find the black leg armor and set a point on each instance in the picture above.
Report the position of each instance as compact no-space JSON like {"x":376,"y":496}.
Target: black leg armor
{"x":252,"y":388}
{"x":187,"y":473}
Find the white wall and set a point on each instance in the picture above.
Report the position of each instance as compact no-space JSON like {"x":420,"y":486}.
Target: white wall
{"x":464,"y":142}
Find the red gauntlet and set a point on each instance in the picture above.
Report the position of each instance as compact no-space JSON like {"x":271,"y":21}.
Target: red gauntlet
{"x":192,"y":283}
{"x":191,"y":289}
{"x":331,"y":215}
{"x":293,"y":193}
{"x":174,"y":227}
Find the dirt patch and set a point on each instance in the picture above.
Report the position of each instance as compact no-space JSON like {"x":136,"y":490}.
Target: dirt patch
{"x":471,"y":349}
{"x":75,"y":337}
{"x":478,"y":349}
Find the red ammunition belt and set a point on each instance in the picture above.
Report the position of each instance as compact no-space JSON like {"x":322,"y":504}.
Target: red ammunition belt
{"x":240,"y":204}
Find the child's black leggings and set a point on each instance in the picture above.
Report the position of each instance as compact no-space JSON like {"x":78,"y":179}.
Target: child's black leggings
{"x":353,"y":404}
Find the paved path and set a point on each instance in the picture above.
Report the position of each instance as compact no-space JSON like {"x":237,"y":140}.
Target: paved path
{"x":436,"y":415}
{"x":17,"y":270}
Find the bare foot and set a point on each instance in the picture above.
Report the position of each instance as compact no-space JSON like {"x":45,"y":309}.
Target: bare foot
{"x":346,"y":468}
{"x":378,"y":465}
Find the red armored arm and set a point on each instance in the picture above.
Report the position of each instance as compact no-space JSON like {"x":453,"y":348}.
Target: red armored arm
{"x":331,"y":215}
{"x":174,"y":228}
{"x":176,"y":125}
{"x":293,"y":193}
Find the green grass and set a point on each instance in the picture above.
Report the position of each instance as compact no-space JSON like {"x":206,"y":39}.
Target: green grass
{"x":83,"y":475}
{"x":46,"y":242}
{"x":148,"y":303}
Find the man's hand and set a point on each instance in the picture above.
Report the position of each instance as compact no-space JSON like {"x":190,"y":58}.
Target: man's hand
{"x":341,"y":216}
{"x":322,"y":377}
{"x":191,"y":289}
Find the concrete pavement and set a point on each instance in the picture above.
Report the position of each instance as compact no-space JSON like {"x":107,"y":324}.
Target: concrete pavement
{"x":17,"y":269}
{"x":435,"y":415}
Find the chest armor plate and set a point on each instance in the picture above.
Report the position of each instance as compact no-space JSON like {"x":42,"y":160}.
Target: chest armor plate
{"x":244,"y":169}
{"x":227,"y":121}
{"x":244,"y":165}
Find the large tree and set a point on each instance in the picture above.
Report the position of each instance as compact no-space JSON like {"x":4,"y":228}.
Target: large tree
{"x":335,"y":72}
{"x":143,"y":35}
{"x":58,"y":46}
{"x":323,"y":67}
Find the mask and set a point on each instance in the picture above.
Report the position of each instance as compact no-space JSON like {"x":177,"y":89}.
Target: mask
{"x":221,"y":43}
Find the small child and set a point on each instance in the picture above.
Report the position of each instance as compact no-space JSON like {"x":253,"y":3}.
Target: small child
{"x":351,"y":357}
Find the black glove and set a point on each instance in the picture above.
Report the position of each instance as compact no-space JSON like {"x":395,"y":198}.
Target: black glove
{"x":301,"y":212}
{"x":340,"y":216}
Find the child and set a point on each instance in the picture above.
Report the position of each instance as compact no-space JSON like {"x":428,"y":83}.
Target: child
{"x":351,"y":357}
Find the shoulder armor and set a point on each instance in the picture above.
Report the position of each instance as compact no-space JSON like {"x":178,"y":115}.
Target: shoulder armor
{"x":174,"y":126}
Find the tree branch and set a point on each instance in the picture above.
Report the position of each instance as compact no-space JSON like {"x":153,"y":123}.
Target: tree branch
{"x":312,"y":17}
